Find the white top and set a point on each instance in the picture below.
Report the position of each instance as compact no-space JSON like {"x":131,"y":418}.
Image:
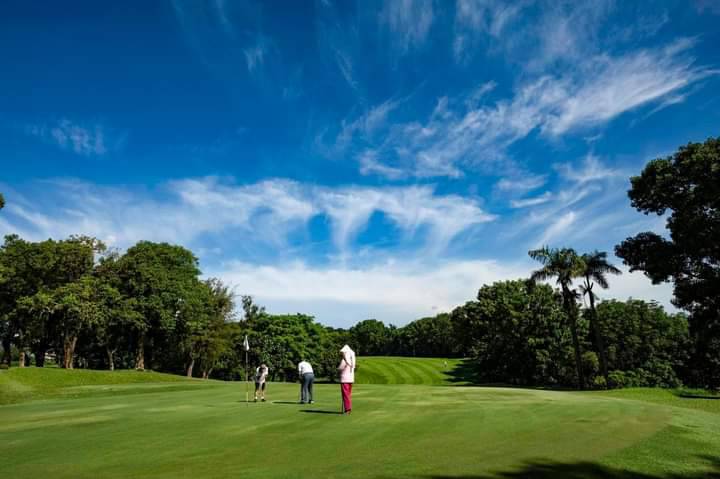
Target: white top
{"x":304,"y":367}
{"x":261,"y":375}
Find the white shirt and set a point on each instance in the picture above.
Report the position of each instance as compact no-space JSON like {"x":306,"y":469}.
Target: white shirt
{"x":304,"y":367}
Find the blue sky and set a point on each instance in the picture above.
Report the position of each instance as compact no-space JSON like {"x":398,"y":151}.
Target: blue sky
{"x":350,"y":160}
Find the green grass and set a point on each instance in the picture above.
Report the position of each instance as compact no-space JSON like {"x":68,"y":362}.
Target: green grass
{"x":17,"y":385}
{"x":401,"y":370}
{"x":119,"y":427}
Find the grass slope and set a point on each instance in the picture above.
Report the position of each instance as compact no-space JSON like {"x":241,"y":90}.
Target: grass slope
{"x":207,"y":431}
{"x":17,"y":385}
{"x":401,"y":370}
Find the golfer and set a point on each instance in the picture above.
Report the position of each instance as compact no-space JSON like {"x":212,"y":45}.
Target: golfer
{"x":260,"y":381}
{"x":307,"y":378}
{"x":347,"y":377}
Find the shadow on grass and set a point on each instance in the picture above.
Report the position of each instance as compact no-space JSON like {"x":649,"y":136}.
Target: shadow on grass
{"x":695,"y":396}
{"x":319,"y":411}
{"x":463,"y":374}
{"x":585,"y":470}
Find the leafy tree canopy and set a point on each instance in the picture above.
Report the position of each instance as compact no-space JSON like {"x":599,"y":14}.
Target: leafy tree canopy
{"x":686,"y":186}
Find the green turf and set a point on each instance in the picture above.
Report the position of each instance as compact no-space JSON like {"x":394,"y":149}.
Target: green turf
{"x":401,"y":370}
{"x":119,"y":427}
{"x":17,"y":385}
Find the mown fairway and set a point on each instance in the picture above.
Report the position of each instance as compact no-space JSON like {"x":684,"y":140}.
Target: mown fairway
{"x":205,"y":430}
{"x":400,"y":370}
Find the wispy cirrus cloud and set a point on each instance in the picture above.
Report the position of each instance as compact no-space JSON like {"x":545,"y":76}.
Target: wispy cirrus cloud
{"x":521,"y":184}
{"x":461,"y":134}
{"x":535,"y":201}
{"x":476,"y":18}
{"x":83,"y":139}
{"x":409,"y":21}
{"x":591,"y":169}
{"x":255,"y":55}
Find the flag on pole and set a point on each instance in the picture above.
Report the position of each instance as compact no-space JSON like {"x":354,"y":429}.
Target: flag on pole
{"x":246,"y":344}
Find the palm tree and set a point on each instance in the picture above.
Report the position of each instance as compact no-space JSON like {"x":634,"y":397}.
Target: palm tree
{"x":2,"y":201}
{"x":595,"y":272}
{"x":566,"y":265}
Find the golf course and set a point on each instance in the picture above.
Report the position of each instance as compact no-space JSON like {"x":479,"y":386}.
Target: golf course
{"x":86,"y":424}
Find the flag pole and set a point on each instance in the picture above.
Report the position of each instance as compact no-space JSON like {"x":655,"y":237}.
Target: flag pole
{"x":246,"y":347}
{"x":247,"y":385}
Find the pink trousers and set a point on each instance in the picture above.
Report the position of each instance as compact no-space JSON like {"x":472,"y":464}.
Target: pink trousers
{"x":346,"y":389}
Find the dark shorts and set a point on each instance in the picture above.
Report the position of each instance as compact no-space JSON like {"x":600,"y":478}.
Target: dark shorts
{"x":260,"y":386}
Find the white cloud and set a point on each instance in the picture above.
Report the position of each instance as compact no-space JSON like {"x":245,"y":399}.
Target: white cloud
{"x":592,"y":170}
{"x":82,"y":139}
{"x":410,"y":208}
{"x":620,"y":84}
{"x":474,"y":18}
{"x":391,"y":291}
{"x":345,"y":65}
{"x":270,"y":210}
{"x":409,"y":21}
{"x":255,"y":55}
{"x":522,"y":184}
{"x":538,"y":200}
{"x":369,"y":165}
{"x":557,"y":229}
{"x":395,"y":291}
{"x":464,"y":134}
{"x":637,"y":286}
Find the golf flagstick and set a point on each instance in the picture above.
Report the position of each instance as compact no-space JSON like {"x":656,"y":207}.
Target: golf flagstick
{"x":246,"y":346}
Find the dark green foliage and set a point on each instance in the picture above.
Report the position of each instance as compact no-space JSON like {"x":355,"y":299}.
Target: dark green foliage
{"x":565,"y":265}
{"x":515,"y":333}
{"x":595,"y":271}
{"x":645,"y":345}
{"x":431,"y":337}
{"x":687,"y":186}
{"x":372,"y":337}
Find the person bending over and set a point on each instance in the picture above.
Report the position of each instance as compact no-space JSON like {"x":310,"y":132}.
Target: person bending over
{"x":307,"y":378}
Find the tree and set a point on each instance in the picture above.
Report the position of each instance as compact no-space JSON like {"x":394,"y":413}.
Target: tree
{"x":202,"y":315}
{"x":687,"y":185}
{"x":77,"y":305}
{"x":27,"y":268}
{"x":371,"y":337}
{"x":2,"y":201}
{"x":566,"y":265}
{"x":595,"y":271}
{"x":647,"y":347}
{"x":515,"y":334}
{"x":432,"y":336}
{"x":157,"y":276}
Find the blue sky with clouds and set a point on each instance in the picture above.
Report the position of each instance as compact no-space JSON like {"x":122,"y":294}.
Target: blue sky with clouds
{"x":350,"y":159}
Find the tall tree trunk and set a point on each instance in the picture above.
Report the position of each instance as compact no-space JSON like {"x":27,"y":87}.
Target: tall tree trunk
{"x":571,"y":311}
{"x":599,"y":342}
{"x":69,"y":351}
{"x":140,"y":353}
{"x":111,"y":362}
{"x":190,"y":367}
{"x":206,"y":373}
{"x":40,"y":351}
{"x":7,"y":346}
{"x":21,"y":359}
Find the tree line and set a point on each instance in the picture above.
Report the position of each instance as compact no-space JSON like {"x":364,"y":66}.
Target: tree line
{"x":149,"y":307}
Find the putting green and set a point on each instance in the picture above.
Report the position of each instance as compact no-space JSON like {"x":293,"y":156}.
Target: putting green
{"x":204,"y":429}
